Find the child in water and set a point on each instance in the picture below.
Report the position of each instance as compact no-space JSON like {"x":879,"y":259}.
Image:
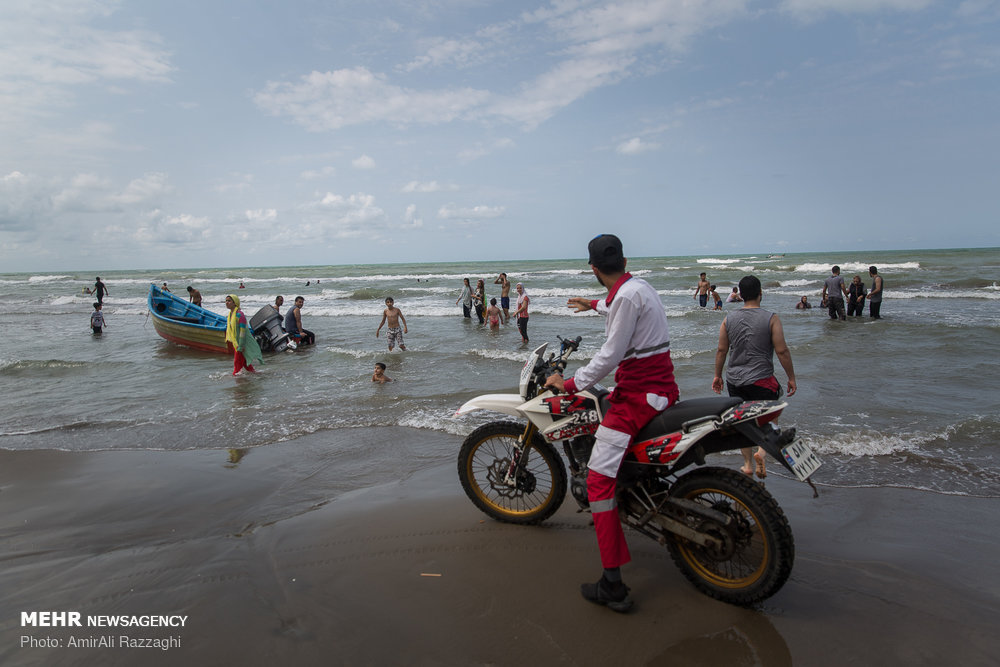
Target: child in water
{"x":379,"y":374}
{"x":715,"y":298}
{"x":393,"y":316}
{"x":97,"y":319}
{"x":493,"y":314}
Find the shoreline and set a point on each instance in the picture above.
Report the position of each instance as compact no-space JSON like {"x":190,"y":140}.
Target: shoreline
{"x":279,"y":557}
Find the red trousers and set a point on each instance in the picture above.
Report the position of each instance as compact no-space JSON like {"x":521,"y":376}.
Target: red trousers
{"x":628,"y":414}
{"x":239,"y":361}
{"x":607,"y":525}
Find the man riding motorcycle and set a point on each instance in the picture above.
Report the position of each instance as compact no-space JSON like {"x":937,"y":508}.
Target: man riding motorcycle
{"x":638,"y":344}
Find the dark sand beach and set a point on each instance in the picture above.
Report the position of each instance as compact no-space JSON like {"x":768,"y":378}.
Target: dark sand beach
{"x":269,"y":570}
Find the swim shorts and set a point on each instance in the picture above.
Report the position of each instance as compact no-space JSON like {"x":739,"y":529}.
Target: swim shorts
{"x":505,"y":302}
{"x":395,"y":336}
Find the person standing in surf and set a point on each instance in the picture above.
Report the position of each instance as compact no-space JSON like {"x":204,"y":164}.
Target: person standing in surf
{"x":393,"y":316}
{"x":856,"y":298}
{"x":504,"y":295}
{"x":239,"y":338}
{"x":875,"y":295}
{"x":100,"y":289}
{"x":479,"y":300}
{"x":97,"y":319}
{"x":522,"y":312}
{"x":834,"y":292}
{"x":701,"y":291}
{"x":753,"y":336}
{"x":466,"y":299}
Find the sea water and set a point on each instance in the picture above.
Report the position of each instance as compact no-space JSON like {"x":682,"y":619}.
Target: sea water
{"x":909,"y":400}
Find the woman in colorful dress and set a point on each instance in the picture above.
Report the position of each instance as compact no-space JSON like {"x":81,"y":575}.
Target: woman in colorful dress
{"x":239,"y":338}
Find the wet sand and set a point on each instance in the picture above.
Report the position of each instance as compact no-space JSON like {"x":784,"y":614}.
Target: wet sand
{"x":269,"y":570}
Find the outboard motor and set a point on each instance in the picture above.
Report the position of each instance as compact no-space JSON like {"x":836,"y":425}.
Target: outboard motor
{"x":266,"y":327}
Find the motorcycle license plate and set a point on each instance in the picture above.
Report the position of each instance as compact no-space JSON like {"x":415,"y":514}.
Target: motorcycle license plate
{"x":802,"y":459}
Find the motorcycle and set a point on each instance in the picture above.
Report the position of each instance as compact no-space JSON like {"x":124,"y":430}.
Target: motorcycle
{"x":724,"y":531}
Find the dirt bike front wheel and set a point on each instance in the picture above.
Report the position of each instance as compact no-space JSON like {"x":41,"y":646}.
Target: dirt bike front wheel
{"x":755,"y":552}
{"x":531,"y":494}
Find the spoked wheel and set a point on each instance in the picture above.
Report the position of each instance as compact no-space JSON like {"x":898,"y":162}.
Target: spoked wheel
{"x":538,"y":484}
{"x":755,"y":552}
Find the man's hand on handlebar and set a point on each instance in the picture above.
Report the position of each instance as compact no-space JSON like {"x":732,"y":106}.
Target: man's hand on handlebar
{"x":555,"y":381}
{"x":580,"y":303}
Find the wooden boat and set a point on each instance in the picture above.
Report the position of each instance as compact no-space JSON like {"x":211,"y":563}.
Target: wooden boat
{"x":184,"y":323}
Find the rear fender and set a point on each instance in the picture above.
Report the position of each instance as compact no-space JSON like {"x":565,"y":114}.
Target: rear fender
{"x":508,"y":404}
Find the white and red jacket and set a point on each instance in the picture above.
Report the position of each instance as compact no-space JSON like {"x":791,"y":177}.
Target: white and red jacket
{"x":638,"y":342}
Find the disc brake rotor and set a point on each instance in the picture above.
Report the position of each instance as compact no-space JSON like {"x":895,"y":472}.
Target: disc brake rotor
{"x":496,"y":473}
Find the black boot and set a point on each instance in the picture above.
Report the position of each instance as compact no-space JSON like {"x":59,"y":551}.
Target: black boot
{"x":614,"y":595}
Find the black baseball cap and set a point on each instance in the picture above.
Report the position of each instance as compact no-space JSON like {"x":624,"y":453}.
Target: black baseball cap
{"x":605,"y":249}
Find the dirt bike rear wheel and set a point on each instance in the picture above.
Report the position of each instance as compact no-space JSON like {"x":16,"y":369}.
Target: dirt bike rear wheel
{"x":483,"y":461}
{"x":758,"y":550}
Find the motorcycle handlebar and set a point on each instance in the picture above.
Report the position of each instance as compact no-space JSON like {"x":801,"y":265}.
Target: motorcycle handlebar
{"x":570,"y":344}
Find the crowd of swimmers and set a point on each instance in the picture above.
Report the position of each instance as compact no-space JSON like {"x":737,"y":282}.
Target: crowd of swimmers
{"x":474,"y":300}
{"x":836,"y":294}
{"x":840,"y":300}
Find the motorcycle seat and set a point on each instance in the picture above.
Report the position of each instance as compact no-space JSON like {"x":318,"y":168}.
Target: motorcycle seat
{"x":670,"y":420}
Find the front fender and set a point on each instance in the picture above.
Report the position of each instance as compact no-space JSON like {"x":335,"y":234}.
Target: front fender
{"x":508,"y":404}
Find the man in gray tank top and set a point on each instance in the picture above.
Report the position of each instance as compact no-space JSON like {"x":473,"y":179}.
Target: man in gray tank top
{"x":875,"y":295}
{"x":834,"y":292}
{"x":751,"y":336}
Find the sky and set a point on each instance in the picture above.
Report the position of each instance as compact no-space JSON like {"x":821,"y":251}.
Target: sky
{"x":205,"y":133}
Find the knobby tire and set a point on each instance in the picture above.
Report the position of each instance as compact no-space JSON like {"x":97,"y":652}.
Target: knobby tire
{"x":483,"y":457}
{"x":763,"y":549}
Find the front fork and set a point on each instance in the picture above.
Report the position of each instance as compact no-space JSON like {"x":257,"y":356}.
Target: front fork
{"x":518,"y":458}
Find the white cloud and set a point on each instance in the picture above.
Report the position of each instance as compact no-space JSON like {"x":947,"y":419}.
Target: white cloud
{"x":635,"y":146}
{"x":238,"y":183}
{"x":605,"y":41}
{"x":337,"y":216}
{"x":979,"y":9}
{"x":23,"y":201}
{"x":179,"y":230}
{"x":540,"y":99}
{"x":483,"y":149}
{"x":363,"y":162}
{"x":48,"y":48}
{"x":262,"y":215}
{"x":314,"y":174}
{"x":90,"y":193}
{"x":85,"y":193}
{"x":441,"y":51}
{"x":149,"y":190}
{"x":411,"y":218}
{"x":89,"y":209}
{"x":594,"y":46}
{"x":812,"y":9}
{"x":631,"y":25}
{"x":322,"y":101}
{"x":429,"y":186}
{"x":469,"y":214}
